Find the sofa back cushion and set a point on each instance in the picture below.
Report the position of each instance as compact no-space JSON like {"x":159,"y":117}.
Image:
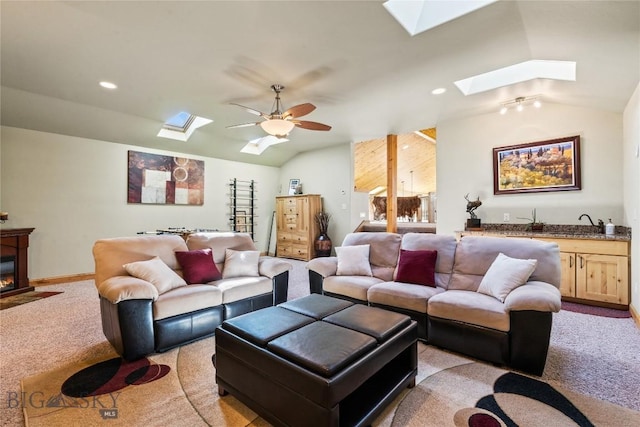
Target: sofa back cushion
{"x":219,"y":242}
{"x":110,"y":255}
{"x":444,"y":244}
{"x":475,"y":254}
{"x":384,"y":249}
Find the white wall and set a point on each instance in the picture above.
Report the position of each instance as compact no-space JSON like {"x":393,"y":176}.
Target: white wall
{"x":74,"y":191}
{"x":631,"y":155}
{"x":327,"y":172}
{"x":465,"y":165}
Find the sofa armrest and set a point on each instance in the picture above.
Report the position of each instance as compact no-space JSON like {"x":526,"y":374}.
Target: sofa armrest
{"x":324,"y":266}
{"x":122,"y":288}
{"x":537,"y":296}
{"x":271,"y":267}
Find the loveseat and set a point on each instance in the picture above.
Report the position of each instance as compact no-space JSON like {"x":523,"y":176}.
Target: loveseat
{"x":476,"y":304}
{"x":159,"y":292}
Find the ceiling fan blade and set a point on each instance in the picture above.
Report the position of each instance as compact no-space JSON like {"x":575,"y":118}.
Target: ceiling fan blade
{"x":243,"y":125}
{"x":252,"y":111}
{"x":311,"y":125}
{"x":299,"y":110}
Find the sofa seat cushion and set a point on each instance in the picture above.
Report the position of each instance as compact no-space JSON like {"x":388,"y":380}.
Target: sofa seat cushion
{"x":350,"y":286}
{"x":402,"y":295}
{"x":185,"y":300}
{"x":469,"y":307}
{"x":237,"y":288}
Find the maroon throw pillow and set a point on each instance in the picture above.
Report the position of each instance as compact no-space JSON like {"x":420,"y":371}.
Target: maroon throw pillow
{"x":417,"y":267}
{"x":198,"y":266}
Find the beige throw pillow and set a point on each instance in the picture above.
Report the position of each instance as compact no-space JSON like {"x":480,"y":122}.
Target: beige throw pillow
{"x":506,"y":274}
{"x":353,"y":261}
{"x":240,"y":264}
{"x":157,"y":273}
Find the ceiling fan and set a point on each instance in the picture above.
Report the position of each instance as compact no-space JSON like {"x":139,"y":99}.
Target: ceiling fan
{"x":279,"y":123}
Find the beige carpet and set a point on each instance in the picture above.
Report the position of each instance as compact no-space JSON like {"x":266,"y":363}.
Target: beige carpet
{"x":449,"y":387}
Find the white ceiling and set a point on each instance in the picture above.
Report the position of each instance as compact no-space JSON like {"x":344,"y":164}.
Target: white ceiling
{"x":365,"y":74}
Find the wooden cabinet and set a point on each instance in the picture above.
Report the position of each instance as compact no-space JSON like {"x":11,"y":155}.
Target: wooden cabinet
{"x":296,"y":227}
{"x":594,"y":271}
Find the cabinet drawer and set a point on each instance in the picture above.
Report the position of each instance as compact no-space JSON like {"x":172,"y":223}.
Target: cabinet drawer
{"x":292,"y":251}
{"x":292,"y":238}
{"x":290,"y":210}
{"x":587,"y":246}
{"x":291,"y":219}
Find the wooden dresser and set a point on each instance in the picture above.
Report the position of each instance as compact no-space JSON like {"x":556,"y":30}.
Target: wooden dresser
{"x":296,"y":226}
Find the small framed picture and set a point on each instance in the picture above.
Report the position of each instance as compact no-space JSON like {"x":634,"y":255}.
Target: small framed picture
{"x":293,"y":186}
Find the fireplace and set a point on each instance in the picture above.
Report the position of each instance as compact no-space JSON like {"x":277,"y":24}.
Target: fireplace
{"x":14,"y":245}
{"x":7,"y":273}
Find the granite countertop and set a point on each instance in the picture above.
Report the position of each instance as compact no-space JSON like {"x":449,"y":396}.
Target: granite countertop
{"x":555,"y":231}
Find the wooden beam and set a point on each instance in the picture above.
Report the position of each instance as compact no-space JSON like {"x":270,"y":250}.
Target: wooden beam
{"x":392,"y":183}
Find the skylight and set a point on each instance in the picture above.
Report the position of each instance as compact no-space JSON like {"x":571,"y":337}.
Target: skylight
{"x":181,"y":126}
{"x":180,"y":121}
{"x":418,"y":16}
{"x":522,"y":72}
{"x":257,"y":146}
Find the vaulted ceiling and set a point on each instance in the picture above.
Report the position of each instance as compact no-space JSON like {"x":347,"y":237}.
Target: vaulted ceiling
{"x":365,"y":74}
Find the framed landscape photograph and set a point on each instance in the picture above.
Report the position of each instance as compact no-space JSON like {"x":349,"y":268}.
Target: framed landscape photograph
{"x":552,"y":165}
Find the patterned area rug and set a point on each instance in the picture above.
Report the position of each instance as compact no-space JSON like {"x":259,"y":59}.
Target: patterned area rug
{"x":24,"y":298}
{"x":478,"y":395}
{"x":178,"y":388}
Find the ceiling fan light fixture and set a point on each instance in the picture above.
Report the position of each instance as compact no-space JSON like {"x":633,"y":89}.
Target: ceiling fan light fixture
{"x":277,"y":127}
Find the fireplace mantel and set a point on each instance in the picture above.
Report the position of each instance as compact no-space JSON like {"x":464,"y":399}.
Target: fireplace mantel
{"x":14,"y":242}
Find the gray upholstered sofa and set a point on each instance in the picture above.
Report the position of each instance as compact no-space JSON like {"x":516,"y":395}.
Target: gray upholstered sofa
{"x":452,"y":314}
{"x":156,"y":309}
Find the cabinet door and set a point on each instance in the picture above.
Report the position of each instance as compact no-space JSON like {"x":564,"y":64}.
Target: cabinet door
{"x":568,"y":270}
{"x":603,"y":278}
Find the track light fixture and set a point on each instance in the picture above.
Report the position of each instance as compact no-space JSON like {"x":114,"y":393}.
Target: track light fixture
{"x":520,"y":102}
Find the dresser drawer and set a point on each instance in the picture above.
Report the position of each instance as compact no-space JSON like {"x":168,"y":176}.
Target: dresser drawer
{"x":292,"y":238}
{"x":292,"y":251}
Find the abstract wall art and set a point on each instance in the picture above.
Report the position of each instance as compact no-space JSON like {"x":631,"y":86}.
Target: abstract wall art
{"x":164,"y":180}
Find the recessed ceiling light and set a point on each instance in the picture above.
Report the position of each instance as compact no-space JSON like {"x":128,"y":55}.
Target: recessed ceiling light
{"x":439,"y":91}
{"x":108,"y":85}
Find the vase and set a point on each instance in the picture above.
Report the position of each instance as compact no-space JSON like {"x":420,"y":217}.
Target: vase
{"x":322,"y":245}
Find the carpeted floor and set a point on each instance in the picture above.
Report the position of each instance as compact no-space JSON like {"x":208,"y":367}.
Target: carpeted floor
{"x":177,"y":388}
{"x":595,"y":356}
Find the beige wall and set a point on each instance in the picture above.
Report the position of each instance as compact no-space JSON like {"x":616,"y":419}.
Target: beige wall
{"x":631,"y":155}
{"x":465,"y":165}
{"x":327,"y":172}
{"x":74,"y":191}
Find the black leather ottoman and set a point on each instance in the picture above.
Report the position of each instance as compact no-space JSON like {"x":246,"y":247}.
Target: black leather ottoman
{"x":317,"y":361}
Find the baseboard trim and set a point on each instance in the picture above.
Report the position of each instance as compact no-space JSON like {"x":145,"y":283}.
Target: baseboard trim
{"x":635,"y":315}
{"x":61,"y":279}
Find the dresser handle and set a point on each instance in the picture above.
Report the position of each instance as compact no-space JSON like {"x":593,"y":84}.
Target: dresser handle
{"x":570,"y":262}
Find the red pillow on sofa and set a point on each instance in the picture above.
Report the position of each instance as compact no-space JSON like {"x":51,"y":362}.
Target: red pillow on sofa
{"x":198,"y":266}
{"x":417,"y":267}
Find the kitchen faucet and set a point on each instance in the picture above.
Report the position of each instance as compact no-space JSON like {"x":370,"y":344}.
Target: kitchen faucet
{"x":600,"y":223}
{"x":580,"y":217}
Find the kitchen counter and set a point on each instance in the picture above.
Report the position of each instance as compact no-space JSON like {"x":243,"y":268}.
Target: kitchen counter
{"x":552,"y":231}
